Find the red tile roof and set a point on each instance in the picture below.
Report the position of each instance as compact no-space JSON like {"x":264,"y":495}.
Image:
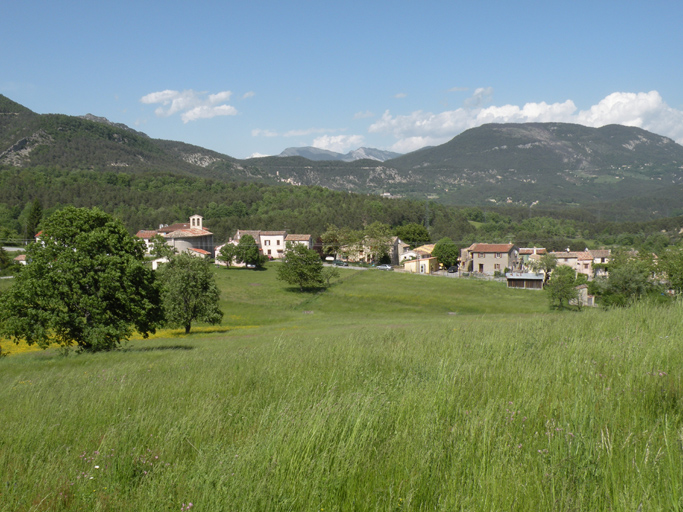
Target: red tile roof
{"x":200,"y":251}
{"x":146,"y":233}
{"x":491,"y":247}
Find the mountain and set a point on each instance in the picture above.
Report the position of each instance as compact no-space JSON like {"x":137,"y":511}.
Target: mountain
{"x":317,"y":154}
{"x":532,"y":165}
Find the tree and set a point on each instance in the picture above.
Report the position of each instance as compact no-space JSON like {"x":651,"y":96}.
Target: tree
{"x":86,"y":283}
{"x":301,"y":267}
{"x":671,"y":263}
{"x":378,"y":240}
{"x":160,"y":249}
{"x":35,"y":214}
{"x":189,"y":292}
{"x":561,"y":287}
{"x":546,"y":263}
{"x":227,"y":254}
{"x":629,"y":278}
{"x":413,"y":234}
{"x":446,"y":252}
{"x":247,"y":252}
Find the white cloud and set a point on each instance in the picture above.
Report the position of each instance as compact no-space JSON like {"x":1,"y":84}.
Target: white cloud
{"x":644,"y":110}
{"x":193,"y":105}
{"x":400,"y":95}
{"x":263,"y":133}
{"x":363,"y":115}
{"x":258,"y":155}
{"x":249,"y":94}
{"x":338,"y":143}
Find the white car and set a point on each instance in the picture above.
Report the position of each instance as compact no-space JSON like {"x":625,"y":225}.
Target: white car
{"x":385,"y":267}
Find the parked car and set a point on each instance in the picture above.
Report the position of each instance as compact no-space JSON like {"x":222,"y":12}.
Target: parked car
{"x":340,"y":263}
{"x":452,"y":270}
{"x":385,"y":267}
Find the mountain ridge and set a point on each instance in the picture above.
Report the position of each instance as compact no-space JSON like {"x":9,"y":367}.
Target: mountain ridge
{"x":522,"y":164}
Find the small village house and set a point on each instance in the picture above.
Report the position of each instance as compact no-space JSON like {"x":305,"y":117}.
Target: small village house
{"x":421,"y":266}
{"x":489,"y":258}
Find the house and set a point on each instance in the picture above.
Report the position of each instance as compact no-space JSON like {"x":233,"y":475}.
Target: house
{"x":181,"y":236}
{"x":367,"y":250}
{"x":525,"y":280}
{"x":21,"y":259}
{"x":421,"y":266}
{"x":489,"y":258}
{"x":528,"y":256}
{"x":272,"y":243}
{"x":424,"y":251}
{"x":583,"y":299}
{"x":305,"y":240}
{"x":582,"y":261}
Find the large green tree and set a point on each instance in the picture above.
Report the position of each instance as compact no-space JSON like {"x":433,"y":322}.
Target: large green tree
{"x":189,"y":292}
{"x":446,"y":252}
{"x":413,"y":234}
{"x":561,"y":287}
{"x":248,"y":252}
{"x":85,"y":284}
{"x":302,"y":267}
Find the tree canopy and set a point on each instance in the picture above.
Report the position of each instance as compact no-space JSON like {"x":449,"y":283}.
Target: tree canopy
{"x":446,"y":252}
{"x":302,"y":267}
{"x":189,"y":292}
{"x":86,"y":283}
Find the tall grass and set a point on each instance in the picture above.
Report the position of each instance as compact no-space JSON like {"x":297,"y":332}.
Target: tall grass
{"x":430,"y":412}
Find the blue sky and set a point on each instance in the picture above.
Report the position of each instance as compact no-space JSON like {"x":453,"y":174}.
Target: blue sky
{"x":256,"y":77}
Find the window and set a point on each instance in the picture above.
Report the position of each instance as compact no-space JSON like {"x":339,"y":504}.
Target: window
{"x":496,"y":266}
{"x":268,"y":252}
{"x":499,"y":255}
{"x":482,"y":255}
{"x":266,"y":242}
{"x":278,"y":242}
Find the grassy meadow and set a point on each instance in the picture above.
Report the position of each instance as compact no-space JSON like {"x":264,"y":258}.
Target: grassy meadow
{"x":387,"y":392}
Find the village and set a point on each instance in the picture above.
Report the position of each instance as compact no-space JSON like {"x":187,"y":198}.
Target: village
{"x":519,"y":266}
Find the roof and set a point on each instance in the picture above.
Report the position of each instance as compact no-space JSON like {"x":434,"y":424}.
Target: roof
{"x":427,"y":248}
{"x":251,"y":232}
{"x":601,"y":253}
{"x":525,"y":275}
{"x":297,"y":238}
{"x":200,"y":251}
{"x":174,"y":227}
{"x":146,"y":233}
{"x":492,"y":247}
{"x":532,"y":250}
{"x":21,"y":257}
{"x":273,"y":233}
{"x":186,"y":233}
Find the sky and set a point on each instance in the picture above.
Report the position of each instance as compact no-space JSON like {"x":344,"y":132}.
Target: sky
{"x":252,"y":78}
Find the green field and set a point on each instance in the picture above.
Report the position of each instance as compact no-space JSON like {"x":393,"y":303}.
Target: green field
{"x":386,"y":392}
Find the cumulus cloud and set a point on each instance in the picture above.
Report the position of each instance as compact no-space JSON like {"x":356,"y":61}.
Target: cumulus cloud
{"x":249,"y":94}
{"x":643,"y":110}
{"x":191,"y":104}
{"x":338,"y":143}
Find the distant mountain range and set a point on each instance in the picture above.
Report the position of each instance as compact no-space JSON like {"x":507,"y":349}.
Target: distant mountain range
{"x":317,"y":154}
{"x":547,"y":164}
